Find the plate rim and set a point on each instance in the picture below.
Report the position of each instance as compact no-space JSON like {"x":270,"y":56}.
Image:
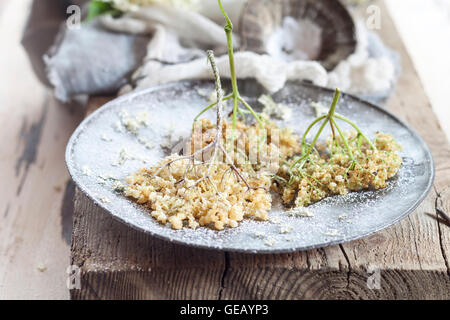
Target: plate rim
{"x":71,"y":169}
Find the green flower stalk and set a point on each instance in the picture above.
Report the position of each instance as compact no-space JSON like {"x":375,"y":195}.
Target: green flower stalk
{"x":234,"y":96}
{"x":329,"y":118}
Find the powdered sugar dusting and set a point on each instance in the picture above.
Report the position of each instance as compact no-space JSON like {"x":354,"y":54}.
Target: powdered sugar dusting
{"x":171,"y":109}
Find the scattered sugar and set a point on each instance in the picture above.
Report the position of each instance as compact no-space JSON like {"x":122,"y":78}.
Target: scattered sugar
{"x":133,"y":123}
{"x":275,"y":219}
{"x":143,"y":118}
{"x":118,"y":186}
{"x":333,"y":233}
{"x":270,"y":242}
{"x":123,"y":157}
{"x":307,"y":231}
{"x":285,"y":228}
{"x":105,"y":200}
{"x":273,"y":109}
{"x":259,"y":235}
{"x":106,"y":138}
{"x":146,"y":142}
{"x":86,"y":170}
{"x":102,"y":181}
{"x":319,"y":109}
{"x":300,"y":212}
{"x":118,"y":126}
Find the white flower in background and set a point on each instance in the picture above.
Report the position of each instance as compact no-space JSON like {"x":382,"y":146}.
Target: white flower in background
{"x":133,"y":5}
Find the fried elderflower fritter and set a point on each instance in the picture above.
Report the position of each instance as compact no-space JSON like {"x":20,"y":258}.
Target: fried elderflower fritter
{"x":325,"y":175}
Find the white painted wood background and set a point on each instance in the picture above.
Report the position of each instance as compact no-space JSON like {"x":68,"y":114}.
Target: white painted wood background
{"x":425,"y":28}
{"x":35,"y":214}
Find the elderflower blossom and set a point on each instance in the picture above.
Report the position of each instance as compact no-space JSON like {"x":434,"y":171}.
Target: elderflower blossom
{"x":321,"y":177}
{"x":177,"y":196}
{"x":133,"y":5}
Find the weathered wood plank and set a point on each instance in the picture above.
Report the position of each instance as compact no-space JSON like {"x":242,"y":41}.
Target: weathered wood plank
{"x":36,"y":217}
{"x":36,"y":201}
{"x":109,"y":252}
{"x":120,"y":263}
{"x":410,"y":258}
{"x":443,"y":203}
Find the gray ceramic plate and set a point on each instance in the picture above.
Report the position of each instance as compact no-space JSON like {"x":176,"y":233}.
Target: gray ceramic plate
{"x":95,"y":147}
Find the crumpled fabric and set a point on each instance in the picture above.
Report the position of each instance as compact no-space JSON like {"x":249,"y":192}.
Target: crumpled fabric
{"x":272,"y":74}
{"x":192,"y":27}
{"x":102,"y":65}
{"x":180,"y":39}
{"x":370,"y":72}
{"x":159,"y":44}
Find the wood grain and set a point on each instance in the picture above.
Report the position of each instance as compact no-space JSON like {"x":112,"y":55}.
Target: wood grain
{"x":411,"y":258}
{"x":36,"y":195}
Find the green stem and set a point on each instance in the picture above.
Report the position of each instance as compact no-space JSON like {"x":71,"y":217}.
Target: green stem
{"x":229,"y":33}
{"x":225,"y":15}
{"x":344,"y":140}
{"x":235,"y":94}
{"x":233,"y":117}
{"x":310,"y":146}
{"x":211,"y":106}
{"x":241,"y":113}
{"x":311,"y":177}
{"x":357,"y":129}
{"x":309,"y":129}
{"x":359,"y":143}
{"x":328,"y":117}
{"x":337,"y":95}
{"x":251,"y":111}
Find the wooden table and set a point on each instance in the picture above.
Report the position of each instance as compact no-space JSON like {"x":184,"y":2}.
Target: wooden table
{"x":412,"y":257}
{"x":36,"y":193}
{"x":36,"y":210}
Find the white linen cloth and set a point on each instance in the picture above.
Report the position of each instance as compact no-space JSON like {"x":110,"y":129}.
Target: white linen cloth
{"x":177,"y":49}
{"x":180,"y":38}
{"x":159,"y":43}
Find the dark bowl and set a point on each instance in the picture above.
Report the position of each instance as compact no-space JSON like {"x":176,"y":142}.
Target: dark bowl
{"x":338,"y":40}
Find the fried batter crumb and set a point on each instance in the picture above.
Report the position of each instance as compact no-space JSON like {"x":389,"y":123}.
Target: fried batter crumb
{"x":323,"y":176}
{"x":223,"y":200}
